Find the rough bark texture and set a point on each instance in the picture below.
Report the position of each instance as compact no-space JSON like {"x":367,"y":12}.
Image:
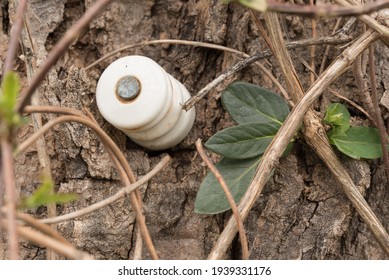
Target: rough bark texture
{"x":302,"y":213}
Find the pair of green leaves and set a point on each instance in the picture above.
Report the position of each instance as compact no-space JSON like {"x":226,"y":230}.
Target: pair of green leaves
{"x":259,"y":114}
{"x":355,"y":141}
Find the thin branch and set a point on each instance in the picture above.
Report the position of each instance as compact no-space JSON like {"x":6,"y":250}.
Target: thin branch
{"x":6,"y":146}
{"x":326,"y":10}
{"x":377,"y":110}
{"x":42,"y":227}
{"x":328,"y":47}
{"x":352,"y":103}
{"x":69,"y":37}
{"x":230,"y":72}
{"x":43,"y":157}
{"x":262,"y":30}
{"x":282,"y":139}
{"x":313,"y":47}
{"x":138,"y":245}
{"x":267,"y":72}
{"x":120,"y":194}
{"x":230,"y":198}
{"x":331,"y":40}
{"x":125,"y":171}
{"x":55,"y":245}
{"x":369,"y":21}
{"x":52,"y":241}
{"x":14,"y":40}
{"x":127,"y":178}
{"x":52,"y":110}
{"x":247,"y":61}
{"x":163,"y":41}
{"x":10,"y":198}
{"x":362,"y":86}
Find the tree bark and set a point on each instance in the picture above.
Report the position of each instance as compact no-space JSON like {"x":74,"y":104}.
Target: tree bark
{"x":302,"y":213}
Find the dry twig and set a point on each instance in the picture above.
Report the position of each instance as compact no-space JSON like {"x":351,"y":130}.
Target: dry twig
{"x":230,"y":198}
{"x":123,"y":168}
{"x":69,"y":37}
{"x":326,"y":10}
{"x":49,"y":242}
{"x":6,"y":142}
{"x":120,"y":194}
{"x":378,"y":117}
{"x":287,"y":131}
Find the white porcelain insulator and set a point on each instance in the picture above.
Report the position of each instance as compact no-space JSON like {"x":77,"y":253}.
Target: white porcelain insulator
{"x":154,"y":119}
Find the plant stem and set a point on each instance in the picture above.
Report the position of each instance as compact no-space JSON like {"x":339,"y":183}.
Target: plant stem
{"x":6,"y":142}
{"x":325,"y":10}
{"x":123,"y":168}
{"x":247,"y":61}
{"x":69,"y":37}
{"x":49,"y":242}
{"x":14,"y":40}
{"x":362,"y":87}
{"x":120,"y":194}
{"x":10,"y":198}
{"x":372,"y":23}
{"x":377,"y":111}
{"x":230,"y":198}
{"x":330,"y":40}
{"x":282,"y":139}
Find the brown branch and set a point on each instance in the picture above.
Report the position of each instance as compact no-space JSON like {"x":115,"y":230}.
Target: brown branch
{"x":52,"y":110}
{"x":120,"y":194}
{"x":377,"y":111}
{"x":230,"y":198}
{"x":362,"y":87}
{"x":6,"y":142}
{"x":313,"y":47}
{"x":326,"y":10}
{"x":52,"y":240}
{"x":328,"y":47}
{"x":352,"y":103}
{"x":372,"y":23}
{"x":10,"y":197}
{"x":14,"y":40}
{"x":126,"y":171}
{"x":247,"y":61}
{"x":49,"y":242}
{"x":44,"y":160}
{"x":42,"y":227}
{"x":282,"y":139}
{"x":69,"y":37}
{"x":127,"y":178}
{"x":331,"y":40}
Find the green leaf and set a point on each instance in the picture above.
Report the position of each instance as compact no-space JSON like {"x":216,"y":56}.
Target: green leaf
{"x":242,"y":141}
{"x":10,"y":88}
{"x":8,"y":98}
{"x":43,"y":196}
{"x":211,"y":198}
{"x":358,"y":142}
{"x":248,"y":103}
{"x":337,"y":131}
{"x":338,"y":115}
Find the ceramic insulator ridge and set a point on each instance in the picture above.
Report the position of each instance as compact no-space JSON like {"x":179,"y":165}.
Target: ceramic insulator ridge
{"x":137,"y":96}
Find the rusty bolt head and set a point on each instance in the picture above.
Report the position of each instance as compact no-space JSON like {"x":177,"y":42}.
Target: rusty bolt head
{"x":128,"y":88}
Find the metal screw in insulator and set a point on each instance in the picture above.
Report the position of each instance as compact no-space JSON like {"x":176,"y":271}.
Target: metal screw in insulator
{"x":128,"y":88}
